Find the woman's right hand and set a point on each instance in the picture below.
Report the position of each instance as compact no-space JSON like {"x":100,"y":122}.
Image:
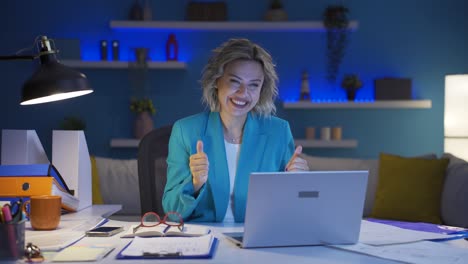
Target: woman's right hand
{"x":199,"y":166}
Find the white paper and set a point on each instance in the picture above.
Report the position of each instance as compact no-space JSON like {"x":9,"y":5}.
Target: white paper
{"x":423,"y":252}
{"x":66,"y":233}
{"x":186,"y":246}
{"x":164,"y":230}
{"x":382,"y":234}
{"x":82,"y":253}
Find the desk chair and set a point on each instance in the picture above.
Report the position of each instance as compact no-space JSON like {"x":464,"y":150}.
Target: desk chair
{"x":152,"y":168}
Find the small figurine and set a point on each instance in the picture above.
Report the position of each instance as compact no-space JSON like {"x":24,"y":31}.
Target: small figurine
{"x":172,"y":48}
{"x":305,"y":90}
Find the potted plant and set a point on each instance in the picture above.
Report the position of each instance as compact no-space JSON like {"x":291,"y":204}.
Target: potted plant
{"x":276,"y":12}
{"x":336,"y":22}
{"x":144,"y":109}
{"x":351,"y":84}
{"x":73,"y":123}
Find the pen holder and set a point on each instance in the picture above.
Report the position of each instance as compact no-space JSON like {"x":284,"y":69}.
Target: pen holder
{"x":12,"y":240}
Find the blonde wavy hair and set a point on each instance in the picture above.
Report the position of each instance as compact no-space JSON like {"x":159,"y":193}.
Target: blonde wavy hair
{"x":240,"y":49}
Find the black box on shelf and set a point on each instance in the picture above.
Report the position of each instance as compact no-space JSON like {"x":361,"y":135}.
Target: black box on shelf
{"x":206,"y":11}
{"x":392,"y":89}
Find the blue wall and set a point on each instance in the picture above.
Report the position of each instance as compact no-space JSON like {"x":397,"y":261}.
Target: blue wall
{"x":396,"y":38}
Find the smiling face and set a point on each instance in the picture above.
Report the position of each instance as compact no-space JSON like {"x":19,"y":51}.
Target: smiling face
{"x":239,"y":87}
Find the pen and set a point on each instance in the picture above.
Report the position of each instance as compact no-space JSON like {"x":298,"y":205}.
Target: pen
{"x":6,"y":214}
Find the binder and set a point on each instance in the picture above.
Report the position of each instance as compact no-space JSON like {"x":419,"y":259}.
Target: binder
{"x":24,"y":186}
{"x":35,"y":179}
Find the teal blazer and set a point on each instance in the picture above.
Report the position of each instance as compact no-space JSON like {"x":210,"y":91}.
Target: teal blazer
{"x":267,"y":146}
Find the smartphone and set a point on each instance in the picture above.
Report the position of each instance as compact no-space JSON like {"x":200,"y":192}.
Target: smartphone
{"x":104,"y":231}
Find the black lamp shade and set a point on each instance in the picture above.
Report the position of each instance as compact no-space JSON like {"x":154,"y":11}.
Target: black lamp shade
{"x":54,"y":81}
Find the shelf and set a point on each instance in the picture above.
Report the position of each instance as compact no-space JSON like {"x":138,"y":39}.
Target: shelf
{"x":346,"y":143}
{"x":375,"y":105}
{"x":302,"y":26}
{"x":174,"y":65}
{"x":124,"y":143}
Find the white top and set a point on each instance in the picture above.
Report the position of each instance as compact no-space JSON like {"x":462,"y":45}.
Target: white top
{"x":232,"y":156}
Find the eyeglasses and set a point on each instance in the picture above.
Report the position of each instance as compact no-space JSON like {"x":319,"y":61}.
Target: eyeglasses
{"x":151,"y":219}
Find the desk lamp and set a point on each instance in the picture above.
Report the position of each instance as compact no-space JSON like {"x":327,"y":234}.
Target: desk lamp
{"x":455,"y":121}
{"x":53,"y":81}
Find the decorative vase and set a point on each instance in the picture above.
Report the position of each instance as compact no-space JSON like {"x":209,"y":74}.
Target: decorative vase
{"x":351,"y":94}
{"x":141,"y":55}
{"x":147,"y":11}
{"x":305,"y":90}
{"x":143,"y":124}
{"x":276,"y":15}
{"x":136,"y":11}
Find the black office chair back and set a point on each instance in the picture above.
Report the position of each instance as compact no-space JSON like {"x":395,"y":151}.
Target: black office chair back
{"x":152,"y":169}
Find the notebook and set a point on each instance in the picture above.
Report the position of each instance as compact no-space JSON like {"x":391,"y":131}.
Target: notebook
{"x":303,"y":208}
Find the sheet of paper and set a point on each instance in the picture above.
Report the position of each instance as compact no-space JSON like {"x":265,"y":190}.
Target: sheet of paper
{"x":82,"y":253}
{"x":185,"y":246}
{"x":190,"y":230}
{"x":66,"y":234}
{"x":382,"y":234}
{"x":423,"y":252}
{"x":53,"y":241}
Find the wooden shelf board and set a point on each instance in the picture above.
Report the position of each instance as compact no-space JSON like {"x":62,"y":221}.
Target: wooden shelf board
{"x":124,"y":143}
{"x":345,"y":143}
{"x":223,"y":25}
{"x":376,"y":104}
{"x":123,"y":64}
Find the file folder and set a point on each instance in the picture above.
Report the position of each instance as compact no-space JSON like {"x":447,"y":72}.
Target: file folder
{"x":28,"y":180}
{"x":35,"y":179}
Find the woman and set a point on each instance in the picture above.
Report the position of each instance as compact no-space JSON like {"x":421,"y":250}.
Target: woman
{"x":212,"y":154}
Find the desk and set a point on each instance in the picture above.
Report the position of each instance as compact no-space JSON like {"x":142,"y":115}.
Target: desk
{"x":227,"y":252}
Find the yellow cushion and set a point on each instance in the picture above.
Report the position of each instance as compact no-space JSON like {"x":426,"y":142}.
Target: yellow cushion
{"x":409,"y":189}
{"x":97,"y":197}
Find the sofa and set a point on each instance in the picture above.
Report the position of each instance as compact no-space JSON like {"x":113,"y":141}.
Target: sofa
{"x":454,"y":191}
{"x":116,"y":182}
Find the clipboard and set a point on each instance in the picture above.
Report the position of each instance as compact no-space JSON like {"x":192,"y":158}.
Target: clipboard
{"x":210,"y":255}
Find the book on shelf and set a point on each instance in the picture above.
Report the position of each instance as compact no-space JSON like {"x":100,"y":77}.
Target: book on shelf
{"x":166,"y":231}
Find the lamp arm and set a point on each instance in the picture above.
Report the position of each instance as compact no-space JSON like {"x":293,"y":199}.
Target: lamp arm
{"x":18,"y":57}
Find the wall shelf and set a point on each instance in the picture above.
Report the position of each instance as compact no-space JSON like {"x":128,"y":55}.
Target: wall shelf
{"x":348,"y":143}
{"x":375,"y":105}
{"x":345,"y":143}
{"x":172,"y":65}
{"x":124,"y":142}
{"x":302,"y":26}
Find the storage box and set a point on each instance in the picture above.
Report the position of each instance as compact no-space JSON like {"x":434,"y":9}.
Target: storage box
{"x":206,"y":11}
{"x":392,"y":89}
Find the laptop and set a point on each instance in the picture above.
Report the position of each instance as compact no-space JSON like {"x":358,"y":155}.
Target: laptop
{"x":303,"y":208}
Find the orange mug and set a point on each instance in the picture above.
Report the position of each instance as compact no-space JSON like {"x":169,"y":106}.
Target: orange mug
{"x":44,"y":211}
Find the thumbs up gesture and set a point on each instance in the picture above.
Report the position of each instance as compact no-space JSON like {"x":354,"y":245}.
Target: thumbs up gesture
{"x":199,"y":166}
{"x":297,"y":163}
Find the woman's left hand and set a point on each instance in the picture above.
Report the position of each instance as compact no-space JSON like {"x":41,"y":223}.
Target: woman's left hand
{"x":297,"y":163}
